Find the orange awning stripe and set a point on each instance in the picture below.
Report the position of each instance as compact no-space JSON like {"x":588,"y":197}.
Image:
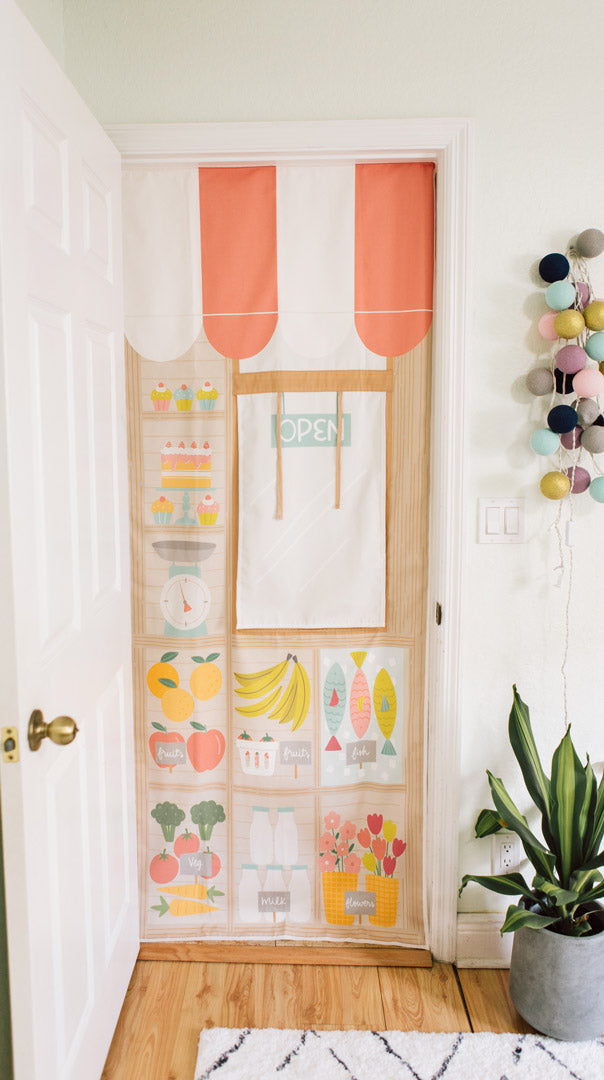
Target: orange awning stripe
{"x":237,"y":209}
{"x":394,"y":255}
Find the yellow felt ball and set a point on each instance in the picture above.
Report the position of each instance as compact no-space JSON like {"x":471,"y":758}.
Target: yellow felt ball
{"x":594,"y":315}
{"x":555,"y":485}
{"x":569,"y":324}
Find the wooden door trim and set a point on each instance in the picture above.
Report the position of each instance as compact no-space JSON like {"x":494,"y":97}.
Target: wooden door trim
{"x":237,"y":952}
{"x":447,"y":142}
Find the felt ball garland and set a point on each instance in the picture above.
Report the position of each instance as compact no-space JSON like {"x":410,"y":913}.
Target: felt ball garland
{"x":571,"y":432}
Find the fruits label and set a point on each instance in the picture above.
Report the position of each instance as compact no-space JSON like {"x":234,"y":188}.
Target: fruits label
{"x":361,"y":751}
{"x":295,"y":752}
{"x":170,"y":753}
{"x":196,"y":864}
{"x":274,"y":901}
{"x":359,"y":903}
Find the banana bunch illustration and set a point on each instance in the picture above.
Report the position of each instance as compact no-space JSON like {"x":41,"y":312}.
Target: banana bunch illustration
{"x":280,"y":698}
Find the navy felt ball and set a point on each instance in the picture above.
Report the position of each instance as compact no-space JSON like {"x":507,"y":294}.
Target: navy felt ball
{"x":554,"y":267}
{"x":562,"y":418}
{"x":564,"y":381}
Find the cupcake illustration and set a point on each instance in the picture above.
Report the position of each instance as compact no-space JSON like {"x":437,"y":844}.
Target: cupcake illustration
{"x":208,"y":510}
{"x":161,"y":397}
{"x":162,"y":510}
{"x":183,"y":398}
{"x":206,"y":395}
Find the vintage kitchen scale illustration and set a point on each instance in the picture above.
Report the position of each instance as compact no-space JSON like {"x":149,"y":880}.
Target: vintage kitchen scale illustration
{"x":185,"y":599}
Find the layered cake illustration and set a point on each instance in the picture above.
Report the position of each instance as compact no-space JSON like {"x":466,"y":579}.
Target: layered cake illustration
{"x":186,"y":466}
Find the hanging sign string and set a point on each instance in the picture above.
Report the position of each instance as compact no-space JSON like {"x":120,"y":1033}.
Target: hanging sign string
{"x":339,"y":454}
{"x":279,"y":513}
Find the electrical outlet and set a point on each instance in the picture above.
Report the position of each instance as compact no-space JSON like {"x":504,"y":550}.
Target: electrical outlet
{"x":506,"y":852}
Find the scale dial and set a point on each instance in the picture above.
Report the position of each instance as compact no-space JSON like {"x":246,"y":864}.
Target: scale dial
{"x":185,"y":601}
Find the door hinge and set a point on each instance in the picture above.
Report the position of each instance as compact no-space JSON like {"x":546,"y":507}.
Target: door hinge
{"x":10,"y":744}
{"x":438,"y":613}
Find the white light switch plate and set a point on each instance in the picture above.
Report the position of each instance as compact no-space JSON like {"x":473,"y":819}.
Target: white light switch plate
{"x":501,"y":521}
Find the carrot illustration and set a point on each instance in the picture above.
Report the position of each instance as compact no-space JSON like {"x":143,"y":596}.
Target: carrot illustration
{"x":182,"y":907}
{"x":193,"y":892}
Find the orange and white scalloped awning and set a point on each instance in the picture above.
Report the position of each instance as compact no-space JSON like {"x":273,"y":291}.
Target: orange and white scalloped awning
{"x":288,"y":266}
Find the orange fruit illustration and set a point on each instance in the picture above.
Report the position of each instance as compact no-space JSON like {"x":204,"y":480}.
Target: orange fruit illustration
{"x":206,"y":680}
{"x":177,"y":704}
{"x":160,"y":671}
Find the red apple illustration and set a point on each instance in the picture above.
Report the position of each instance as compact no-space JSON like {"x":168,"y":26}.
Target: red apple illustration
{"x":205,"y":748}
{"x":162,"y":735}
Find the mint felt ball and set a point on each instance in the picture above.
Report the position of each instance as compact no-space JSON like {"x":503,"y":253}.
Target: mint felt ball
{"x":554,"y":267}
{"x":596,"y":489}
{"x":544,"y":441}
{"x":571,"y":359}
{"x":560,"y":295}
{"x":562,"y":418}
{"x":594,"y":346}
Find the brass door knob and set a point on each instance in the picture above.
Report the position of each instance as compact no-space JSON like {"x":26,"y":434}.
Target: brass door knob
{"x":62,"y":730}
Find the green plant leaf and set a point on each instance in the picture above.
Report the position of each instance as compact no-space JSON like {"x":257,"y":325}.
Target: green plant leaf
{"x":162,"y":907}
{"x":586,"y":812}
{"x":487,"y":823}
{"x":560,"y":896}
{"x":583,"y":879}
{"x":541,"y":858}
{"x":597,"y":830}
{"x":168,"y":656}
{"x":566,"y":801}
{"x":516,"y":917}
{"x":523,"y":744}
{"x":593,"y":894}
{"x":593,"y":864}
{"x":506,"y":884}
{"x":169,"y":683}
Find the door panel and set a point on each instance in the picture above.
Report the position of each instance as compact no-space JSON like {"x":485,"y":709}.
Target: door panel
{"x":65,"y":648}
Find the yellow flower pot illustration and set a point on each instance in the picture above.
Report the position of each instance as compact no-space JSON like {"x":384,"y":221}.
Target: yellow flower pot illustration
{"x":386,"y":899}
{"x":335,"y":885}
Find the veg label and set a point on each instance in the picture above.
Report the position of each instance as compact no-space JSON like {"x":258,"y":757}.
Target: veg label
{"x":196,"y":864}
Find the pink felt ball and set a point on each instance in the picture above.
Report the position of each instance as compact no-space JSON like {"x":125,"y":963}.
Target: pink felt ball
{"x":571,"y":358}
{"x":572,"y":439}
{"x":545,"y":326}
{"x":579,"y":479}
{"x":583,"y":292}
{"x":588,"y":382}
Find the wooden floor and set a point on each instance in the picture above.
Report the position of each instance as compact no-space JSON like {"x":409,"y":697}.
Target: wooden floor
{"x":168,"y":1003}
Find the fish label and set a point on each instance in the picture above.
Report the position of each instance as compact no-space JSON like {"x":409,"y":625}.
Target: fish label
{"x":359,"y":903}
{"x":196,"y":864}
{"x":274,"y":901}
{"x":358,"y":753}
{"x":170,"y":753}
{"x":311,"y":429}
{"x":295,"y":752}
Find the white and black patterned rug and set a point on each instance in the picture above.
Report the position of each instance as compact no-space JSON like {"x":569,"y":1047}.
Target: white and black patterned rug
{"x":259,"y":1054}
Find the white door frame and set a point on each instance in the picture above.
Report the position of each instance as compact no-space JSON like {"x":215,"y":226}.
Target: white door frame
{"x":447,"y":142}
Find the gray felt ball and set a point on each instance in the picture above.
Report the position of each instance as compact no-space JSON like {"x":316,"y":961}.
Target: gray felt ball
{"x":593,"y":439}
{"x":590,"y":243}
{"x":540,"y":381}
{"x":587,"y":411}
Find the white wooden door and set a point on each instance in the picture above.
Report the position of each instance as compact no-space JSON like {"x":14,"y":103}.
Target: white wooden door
{"x":68,"y":812}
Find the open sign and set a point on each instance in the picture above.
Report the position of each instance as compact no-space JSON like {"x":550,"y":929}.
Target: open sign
{"x":311,"y":429}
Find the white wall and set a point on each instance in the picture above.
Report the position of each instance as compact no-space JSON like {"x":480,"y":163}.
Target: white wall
{"x":531,"y":77}
{"x":46,"y":17}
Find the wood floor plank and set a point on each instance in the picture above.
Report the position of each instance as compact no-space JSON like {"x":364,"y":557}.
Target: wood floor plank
{"x":488,"y":1001}
{"x":422,"y":1000}
{"x":362,"y":998}
{"x":234,"y":952}
{"x":142,"y":1043}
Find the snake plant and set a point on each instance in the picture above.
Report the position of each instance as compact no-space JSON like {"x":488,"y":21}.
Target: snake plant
{"x":567,"y":883}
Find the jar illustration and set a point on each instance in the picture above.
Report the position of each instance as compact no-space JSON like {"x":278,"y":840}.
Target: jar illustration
{"x":261,"y":836}
{"x":286,"y":836}
{"x":275,"y":883}
{"x":249,"y":887}
{"x":300,"y":894}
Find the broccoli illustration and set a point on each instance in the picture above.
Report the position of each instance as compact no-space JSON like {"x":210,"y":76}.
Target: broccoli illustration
{"x":206,"y":815}
{"x":168,"y":815}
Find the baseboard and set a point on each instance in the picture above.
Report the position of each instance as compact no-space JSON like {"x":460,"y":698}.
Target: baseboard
{"x":233,"y":952}
{"x":480,"y":943}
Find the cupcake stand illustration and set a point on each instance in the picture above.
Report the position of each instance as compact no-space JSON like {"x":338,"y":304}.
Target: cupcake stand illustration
{"x":264,"y":896}
{"x":185,"y":599}
{"x":186,"y":469}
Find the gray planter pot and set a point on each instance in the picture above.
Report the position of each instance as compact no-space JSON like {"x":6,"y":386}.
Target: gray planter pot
{"x":557,"y":983}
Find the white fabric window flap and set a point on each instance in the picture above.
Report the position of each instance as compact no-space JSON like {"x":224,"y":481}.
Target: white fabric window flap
{"x":318,"y":567}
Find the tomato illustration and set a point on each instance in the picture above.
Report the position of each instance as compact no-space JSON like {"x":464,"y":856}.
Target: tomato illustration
{"x":205,"y":748}
{"x":162,"y":735}
{"x":163,"y":868}
{"x":187,"y":841}
{"x":216,"y":864}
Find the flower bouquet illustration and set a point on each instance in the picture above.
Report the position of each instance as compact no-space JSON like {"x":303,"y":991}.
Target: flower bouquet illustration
{"x":339,"y":867}
{"x":380,"y":860}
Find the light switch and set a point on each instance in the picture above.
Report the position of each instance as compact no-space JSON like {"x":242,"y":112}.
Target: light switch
{"x":501,"y":521}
